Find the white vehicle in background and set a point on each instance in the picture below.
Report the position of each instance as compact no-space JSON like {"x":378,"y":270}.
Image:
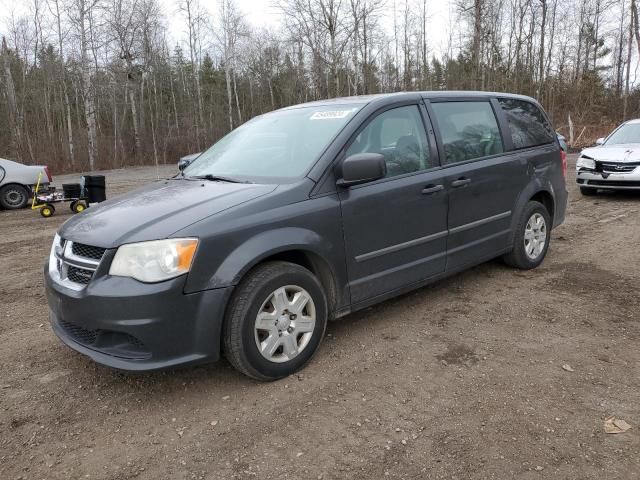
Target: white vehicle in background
{"x":614,"y":164}
{"x":17,"y":182}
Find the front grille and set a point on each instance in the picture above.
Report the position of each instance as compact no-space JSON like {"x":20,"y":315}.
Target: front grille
{"x":79,"y":275}
{"x":76,"y":263}
{"x":80,"y":334}
{"x":615,"y":167}
{"x":87,"y":251}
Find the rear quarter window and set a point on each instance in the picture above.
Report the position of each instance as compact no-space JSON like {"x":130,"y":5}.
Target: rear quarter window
{"x":528,"y":126}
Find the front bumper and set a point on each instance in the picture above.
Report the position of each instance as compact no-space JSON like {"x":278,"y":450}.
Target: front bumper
{"x":129,"y":325}
{"x":610,"y":181}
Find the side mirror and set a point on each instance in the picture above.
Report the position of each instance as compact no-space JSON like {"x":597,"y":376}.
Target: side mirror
{"x":183,"y":163}
{"x":600,"y":141}
{"x":362,"y":168}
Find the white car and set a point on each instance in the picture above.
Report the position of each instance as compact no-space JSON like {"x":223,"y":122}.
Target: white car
{"x":17,"y":182}
{"x":614,"y":164}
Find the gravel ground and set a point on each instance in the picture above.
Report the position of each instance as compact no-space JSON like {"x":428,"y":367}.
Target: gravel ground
{"x":462,"y":379}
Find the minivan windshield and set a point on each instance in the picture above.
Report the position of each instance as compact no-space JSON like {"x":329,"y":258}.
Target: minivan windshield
{"x":629,"y":133}
{"x":280,"y":144}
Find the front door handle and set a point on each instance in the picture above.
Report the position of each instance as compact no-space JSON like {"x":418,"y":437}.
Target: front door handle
{"x":431,"y":189}
{"x":461,"y":182}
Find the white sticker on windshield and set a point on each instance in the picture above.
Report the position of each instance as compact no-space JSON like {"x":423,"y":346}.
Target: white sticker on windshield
{"x":330,"y":114}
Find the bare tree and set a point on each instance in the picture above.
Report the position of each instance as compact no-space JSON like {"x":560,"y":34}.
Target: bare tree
{"x":232,"y":29}
{"x":54,"y":6}
{"x":97,"y":83}
{"x":15,"y":116}
{"x":195,"y":19}
{"x":79,"y":12}
{"x":323,"y":26}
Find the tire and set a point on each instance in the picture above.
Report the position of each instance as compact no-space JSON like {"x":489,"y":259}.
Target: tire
{"x":256,"y":294}
{"x":78,"y":207}
{"x":13,"y":197}
{"x":47,"y":210}
{"x":529,"y":254}
{"x":588,"y":191}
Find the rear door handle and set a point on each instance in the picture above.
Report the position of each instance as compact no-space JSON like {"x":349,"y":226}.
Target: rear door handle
{"x":431,"y":189}
{"x":461,"y":182}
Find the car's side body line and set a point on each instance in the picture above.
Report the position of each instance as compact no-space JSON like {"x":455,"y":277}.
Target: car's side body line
{"x":400,"y":246}
{"x":482,"y":221}
{"x":405,"y":266}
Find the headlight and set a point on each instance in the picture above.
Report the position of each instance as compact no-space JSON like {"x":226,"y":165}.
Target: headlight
{"x":154,"y":261}
{"x":585,"y":162}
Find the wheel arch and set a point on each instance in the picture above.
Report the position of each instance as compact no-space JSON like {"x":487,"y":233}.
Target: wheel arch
{"x":296,"y":245}
{"x":545,"y":198}
{"x":310,"y":260}
{"x":535,"y":191}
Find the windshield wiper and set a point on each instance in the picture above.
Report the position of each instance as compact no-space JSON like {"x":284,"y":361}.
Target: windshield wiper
{"x":218,"y":178}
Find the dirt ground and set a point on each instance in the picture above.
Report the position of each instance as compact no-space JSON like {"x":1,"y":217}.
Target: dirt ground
{"x":463,"y":379}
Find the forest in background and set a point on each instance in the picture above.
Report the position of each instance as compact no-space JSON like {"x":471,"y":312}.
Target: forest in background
{"x":95,"y":84}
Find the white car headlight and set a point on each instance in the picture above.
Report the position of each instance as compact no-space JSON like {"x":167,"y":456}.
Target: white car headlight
{"x":154,"y":261}
{"x":585,"y":162}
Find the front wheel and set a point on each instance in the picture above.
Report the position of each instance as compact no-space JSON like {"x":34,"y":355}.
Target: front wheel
{"x":275,"y":321}
{"x":531,"y":239}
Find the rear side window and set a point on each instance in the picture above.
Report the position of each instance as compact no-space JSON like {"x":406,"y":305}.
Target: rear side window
{"x":529,"y":127}
{"x":469,"y":130}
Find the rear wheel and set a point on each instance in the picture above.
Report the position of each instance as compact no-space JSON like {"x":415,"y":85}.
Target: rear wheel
{"x":275,"y":321}
{"x":588,"y":191}
{"x":531,"y":240}
{"x":47,"y":211}
{"x":13,"y":197}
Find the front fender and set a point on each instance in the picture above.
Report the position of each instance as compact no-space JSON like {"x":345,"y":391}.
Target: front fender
{"x":230,"y":246}
{"x":264,"y":245}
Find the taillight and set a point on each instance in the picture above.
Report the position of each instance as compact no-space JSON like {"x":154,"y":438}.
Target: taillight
{"x":563,"y":159}
{"x":46,"y":170}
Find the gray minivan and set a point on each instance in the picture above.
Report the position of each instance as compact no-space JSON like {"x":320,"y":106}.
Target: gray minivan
{"x":303,"y":215}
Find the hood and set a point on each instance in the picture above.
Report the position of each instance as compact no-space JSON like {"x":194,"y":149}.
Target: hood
{"x":629,"y":153}
{"x":157,"y":211}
